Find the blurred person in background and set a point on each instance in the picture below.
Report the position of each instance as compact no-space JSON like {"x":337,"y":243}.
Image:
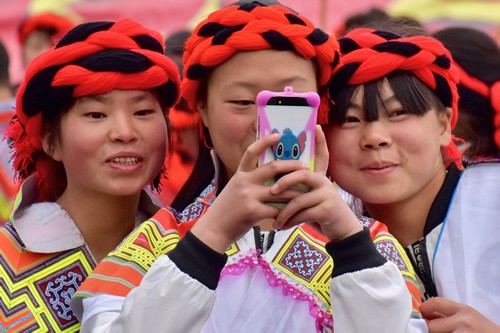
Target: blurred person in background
{"x":184,"y":124}
{"x":7,"y":102}
{"x":373,"y":18}
{"x":477,"y":57}
{"x":38,"y":33}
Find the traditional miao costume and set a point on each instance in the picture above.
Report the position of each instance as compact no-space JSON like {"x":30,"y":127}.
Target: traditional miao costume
{"x":43,"y":255}
{"x":43,"y":260}
{"x":162,"y":278}
{"x":271,"y":282}
{"x":458,"y":256}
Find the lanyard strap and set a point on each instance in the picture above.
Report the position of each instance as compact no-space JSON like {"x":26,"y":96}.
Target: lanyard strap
{"x":417,"y":252}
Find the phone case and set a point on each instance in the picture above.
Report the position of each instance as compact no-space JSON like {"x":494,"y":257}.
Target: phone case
{"x":295,"y":123}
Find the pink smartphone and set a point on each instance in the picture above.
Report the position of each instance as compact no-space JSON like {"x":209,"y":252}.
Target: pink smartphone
{"x":292,"y":115}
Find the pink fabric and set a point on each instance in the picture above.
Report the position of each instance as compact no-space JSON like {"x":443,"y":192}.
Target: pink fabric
{"x":289,"y":287}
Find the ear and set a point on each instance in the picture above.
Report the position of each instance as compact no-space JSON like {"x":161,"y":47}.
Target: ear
{"x":302,"y":141}
{"x":53,"y":150}
{"x":202,"y":109}
{"x":444,"y":120}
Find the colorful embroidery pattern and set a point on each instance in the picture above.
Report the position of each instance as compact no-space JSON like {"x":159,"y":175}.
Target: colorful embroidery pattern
{"x":304,"y":259}
{"x":36,"y":289}
{"x":123,"y":269}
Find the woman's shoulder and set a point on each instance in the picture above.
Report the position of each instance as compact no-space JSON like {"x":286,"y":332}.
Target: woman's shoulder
{"x":488,"y":169}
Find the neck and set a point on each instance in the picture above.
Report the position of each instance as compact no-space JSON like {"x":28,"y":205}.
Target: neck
{"x":104,"y":221}
{"x":406,"y":219}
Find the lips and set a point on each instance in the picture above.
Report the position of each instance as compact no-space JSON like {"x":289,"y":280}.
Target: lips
{"x":378,"y":166}
{"x":125,"y":160}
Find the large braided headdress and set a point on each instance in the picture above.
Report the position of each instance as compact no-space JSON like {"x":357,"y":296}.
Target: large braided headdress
{"x":253,"y":27}
{"x":93,"y":58}
{"x":368,"y":55}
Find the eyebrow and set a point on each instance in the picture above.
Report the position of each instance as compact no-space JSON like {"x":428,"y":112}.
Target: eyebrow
{"x":386,"y":101}
{"x":249,"y":85}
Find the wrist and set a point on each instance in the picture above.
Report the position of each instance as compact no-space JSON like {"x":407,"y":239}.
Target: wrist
{"x":209,"y":234}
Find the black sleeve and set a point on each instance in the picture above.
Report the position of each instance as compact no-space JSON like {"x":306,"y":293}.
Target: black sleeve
{"x":354,"y":253}
{"x":198,"y":260}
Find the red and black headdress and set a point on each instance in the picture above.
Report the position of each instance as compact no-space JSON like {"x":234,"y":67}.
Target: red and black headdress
{"x":368,"y":55}
{"x":93,"y":58}
{"x":253,"y":27}
{"x":54,"y":25}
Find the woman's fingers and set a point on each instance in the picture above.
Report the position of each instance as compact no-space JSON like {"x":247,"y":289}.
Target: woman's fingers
{"x":251,"y":156}
{"x":321,"y":155}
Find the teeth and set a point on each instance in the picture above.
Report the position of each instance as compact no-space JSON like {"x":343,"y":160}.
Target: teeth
{"x":125,"y":160}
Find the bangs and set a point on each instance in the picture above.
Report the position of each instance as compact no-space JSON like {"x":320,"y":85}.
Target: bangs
{"x":413,"y":94}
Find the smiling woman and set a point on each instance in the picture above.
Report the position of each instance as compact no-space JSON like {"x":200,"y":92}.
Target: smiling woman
{"x":396,"y":105}
{"x":90,"y":135}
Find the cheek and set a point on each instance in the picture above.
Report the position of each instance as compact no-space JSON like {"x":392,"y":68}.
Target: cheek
{"x":78,"y":146}
{"x":156,"y":140}
{"x":340,"y":146}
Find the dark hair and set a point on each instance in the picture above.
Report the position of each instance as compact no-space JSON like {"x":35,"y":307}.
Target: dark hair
{"x":473,"y":50}
{"x":174,"y":44}
{"x":201,"y":176}
{"x":4,"y":65}
{"x":479,"y":55}
{"x":413,"y":94}
{"x":365,"y":19}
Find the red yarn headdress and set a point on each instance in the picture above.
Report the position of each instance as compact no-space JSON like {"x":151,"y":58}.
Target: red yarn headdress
{"x":369,"y":55}
{"x":93,"y":58}
{"x":253,"y":27}
{"x":55,"y":25}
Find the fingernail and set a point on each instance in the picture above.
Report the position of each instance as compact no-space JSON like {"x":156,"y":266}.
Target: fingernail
{"x":275,"y":188}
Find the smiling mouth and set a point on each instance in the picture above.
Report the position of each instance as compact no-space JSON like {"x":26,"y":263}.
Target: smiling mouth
{"x":125,"y":160}
{"x":379,"y":168}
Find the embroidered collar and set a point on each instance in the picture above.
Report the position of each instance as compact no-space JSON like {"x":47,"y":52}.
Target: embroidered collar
{"x":45,"y":227}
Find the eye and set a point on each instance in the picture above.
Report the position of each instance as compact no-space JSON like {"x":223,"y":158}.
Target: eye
{"x":95,"y":115}
{"x":279,"y":150}
{"x":243,"y":102}
{"x":295,"y":151}
{"x":351,"y":119}
{"x":144,"y":112}
{"x":397,"y":113}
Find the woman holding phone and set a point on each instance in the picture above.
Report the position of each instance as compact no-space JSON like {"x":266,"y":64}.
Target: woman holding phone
{"x":227,"y":261}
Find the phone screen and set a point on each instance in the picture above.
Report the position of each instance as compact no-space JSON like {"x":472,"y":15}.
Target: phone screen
{"x":288,"y":116}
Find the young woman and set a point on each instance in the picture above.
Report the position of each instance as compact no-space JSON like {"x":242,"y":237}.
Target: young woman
{"x":395,"y":107}
{"x":90,"y":135}
{"x":242,"y":264}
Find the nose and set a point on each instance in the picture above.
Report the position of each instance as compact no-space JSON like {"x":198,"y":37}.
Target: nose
{"x":123,"y":129}
{"x":375,"y":136}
